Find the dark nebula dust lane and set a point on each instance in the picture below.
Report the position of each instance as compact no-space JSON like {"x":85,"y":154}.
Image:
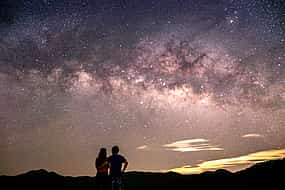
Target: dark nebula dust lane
{"x":190,"y":85}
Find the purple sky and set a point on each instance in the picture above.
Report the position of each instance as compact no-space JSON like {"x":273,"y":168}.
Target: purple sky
{"x":187,"y":86}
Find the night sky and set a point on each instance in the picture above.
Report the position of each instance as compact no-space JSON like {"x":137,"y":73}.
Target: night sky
{"x":179,"y":85}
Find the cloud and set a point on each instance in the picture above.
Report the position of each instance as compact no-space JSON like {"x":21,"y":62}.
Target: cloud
{"x":233,"y":164}
{"x":143,"y":147}
{"x":252,"y":135}
{"x":192,"y":145}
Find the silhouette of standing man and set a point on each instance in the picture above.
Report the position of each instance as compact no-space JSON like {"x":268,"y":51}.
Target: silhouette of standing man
{"x":116,"y":162}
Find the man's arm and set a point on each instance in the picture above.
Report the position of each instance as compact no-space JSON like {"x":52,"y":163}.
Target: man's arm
{"x":104,"y":164}
{"x":125,"y":165}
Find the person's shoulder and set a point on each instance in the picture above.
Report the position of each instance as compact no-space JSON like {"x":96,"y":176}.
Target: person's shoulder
{"x":122,"y":157}
{"x":110,"y":157}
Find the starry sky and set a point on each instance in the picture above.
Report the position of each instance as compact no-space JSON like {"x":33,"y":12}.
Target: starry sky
{"x":179,"y":85}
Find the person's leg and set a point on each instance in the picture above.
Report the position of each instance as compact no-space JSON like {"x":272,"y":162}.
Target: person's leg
{"x":116,"y":183}
{"x":98,"y":182}
{"x":120,"y":184}
{"x":113,"y":183}
{"x":106,"y":184}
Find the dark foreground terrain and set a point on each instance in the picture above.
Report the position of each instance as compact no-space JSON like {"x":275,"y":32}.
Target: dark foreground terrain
{"x":266,"y":175}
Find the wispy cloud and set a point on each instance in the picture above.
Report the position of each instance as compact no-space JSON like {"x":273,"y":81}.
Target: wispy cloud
{"x":143,"y":147}
{"x":252,"y":135}
{"x":233,"y":164}
{"x":192,"y":145}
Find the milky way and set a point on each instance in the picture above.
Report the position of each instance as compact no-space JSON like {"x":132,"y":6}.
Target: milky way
{"x":173,"y":84}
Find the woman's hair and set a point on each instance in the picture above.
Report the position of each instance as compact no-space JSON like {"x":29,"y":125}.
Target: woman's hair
{"x":102,"y":156}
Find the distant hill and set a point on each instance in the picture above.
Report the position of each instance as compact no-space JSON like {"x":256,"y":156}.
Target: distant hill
{"x":266,"y":175}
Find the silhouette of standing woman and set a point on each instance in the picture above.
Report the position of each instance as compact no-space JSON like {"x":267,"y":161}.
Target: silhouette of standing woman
{"x":102,"y":166}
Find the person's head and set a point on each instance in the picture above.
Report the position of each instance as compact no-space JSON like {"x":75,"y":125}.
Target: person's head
{"x":102,"y":153}
{"x":115,"y":149}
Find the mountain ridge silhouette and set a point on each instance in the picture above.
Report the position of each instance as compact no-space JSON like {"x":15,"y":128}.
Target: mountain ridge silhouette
{"x":265,"y":175}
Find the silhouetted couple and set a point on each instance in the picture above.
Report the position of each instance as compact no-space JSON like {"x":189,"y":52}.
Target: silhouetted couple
{"x":116,"y":164}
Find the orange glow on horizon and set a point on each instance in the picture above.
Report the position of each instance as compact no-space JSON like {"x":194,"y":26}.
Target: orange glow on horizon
{"x":230,"y":163}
